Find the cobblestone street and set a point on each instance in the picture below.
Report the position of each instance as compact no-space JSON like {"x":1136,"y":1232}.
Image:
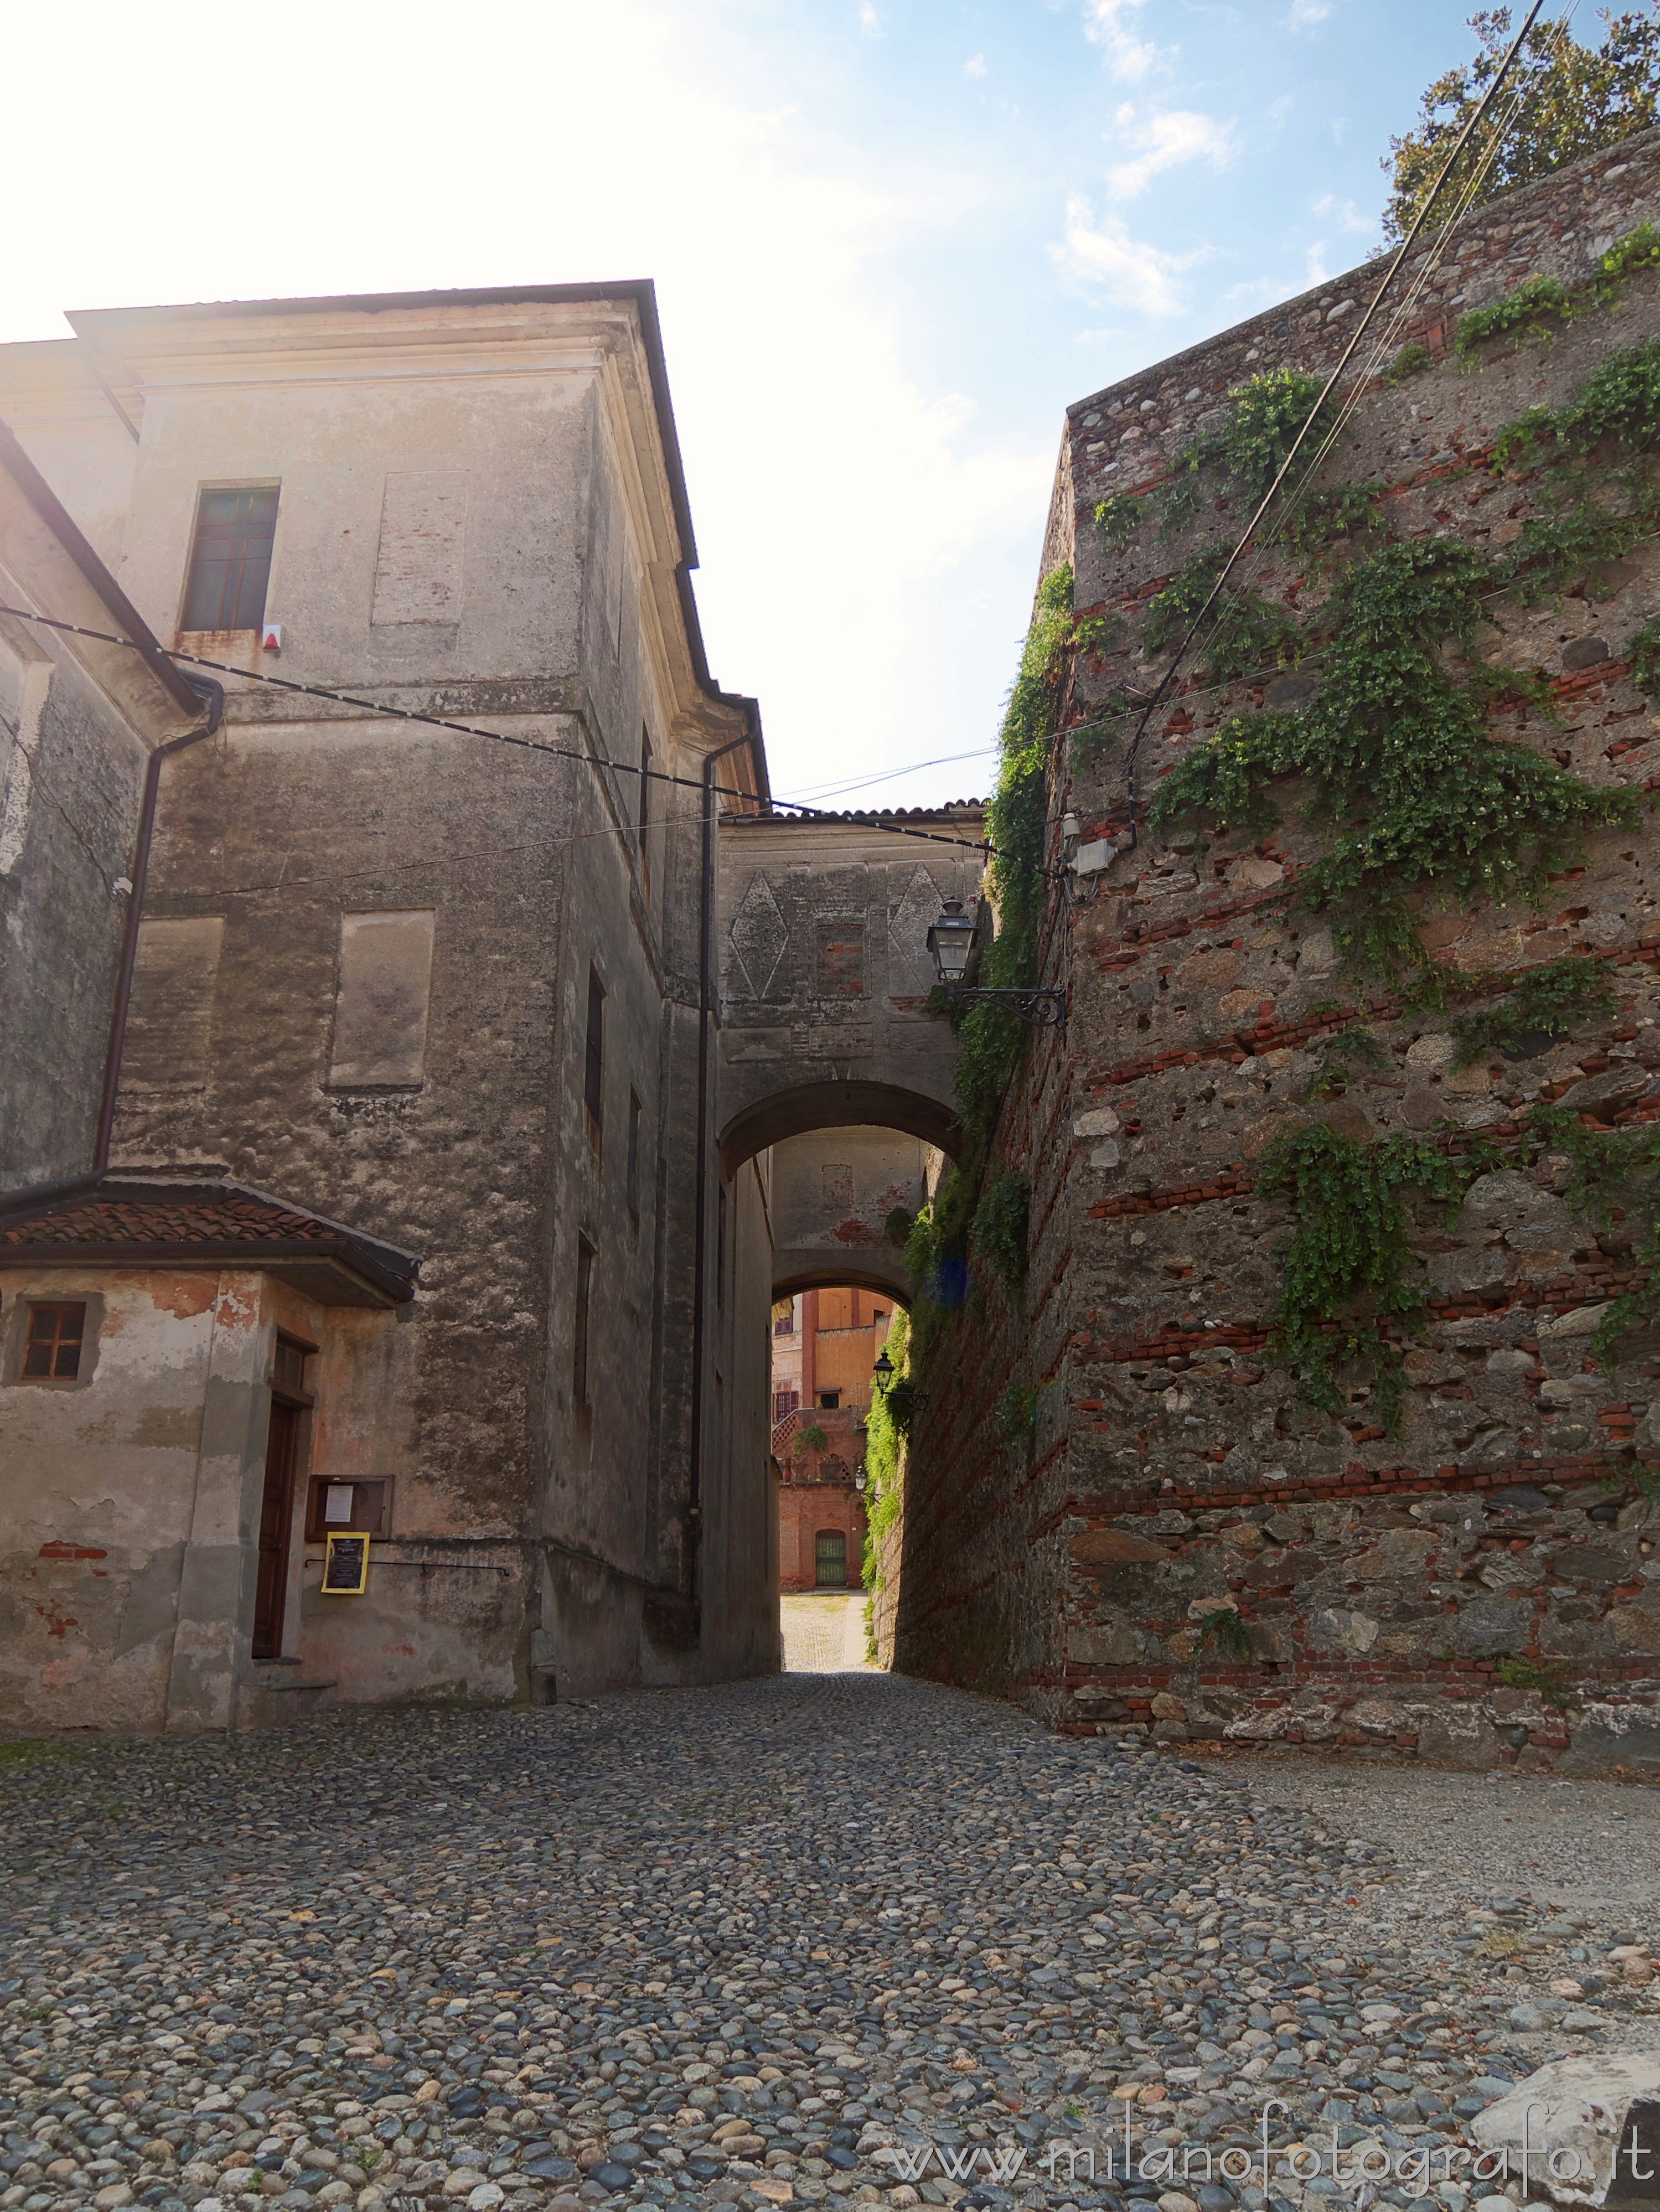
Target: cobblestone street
{"x":755,"y":1945}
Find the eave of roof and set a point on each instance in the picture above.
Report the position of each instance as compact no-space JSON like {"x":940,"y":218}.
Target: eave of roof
{"x":88,"y":323}
{"x":951,"y":810}
{"x":70,"y":535}
{"x":149,"y":1224}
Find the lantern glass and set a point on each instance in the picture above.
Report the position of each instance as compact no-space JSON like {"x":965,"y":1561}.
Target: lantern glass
{"x":949,"y":941}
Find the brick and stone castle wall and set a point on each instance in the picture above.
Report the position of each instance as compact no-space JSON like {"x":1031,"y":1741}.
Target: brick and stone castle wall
{"x":1475,"y":1581}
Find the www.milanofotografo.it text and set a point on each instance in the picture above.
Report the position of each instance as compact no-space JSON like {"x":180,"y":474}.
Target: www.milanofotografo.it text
{"x":1363,"y":2164}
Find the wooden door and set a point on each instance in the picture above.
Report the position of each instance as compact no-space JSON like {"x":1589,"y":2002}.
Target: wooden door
{"x":275,"y":1526}
{"x":830,"y":1559}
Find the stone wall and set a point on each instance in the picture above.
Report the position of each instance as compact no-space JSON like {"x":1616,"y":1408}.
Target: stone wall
{"x":1184,"y":1545}
{"x":78,"y":722}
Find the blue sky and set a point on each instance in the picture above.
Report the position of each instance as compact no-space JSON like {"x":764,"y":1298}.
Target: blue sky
{"x":891,"y":238}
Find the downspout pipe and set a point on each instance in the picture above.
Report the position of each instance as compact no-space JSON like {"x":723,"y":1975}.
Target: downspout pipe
{"x":700,"y":1229}
{"x":212,"y":695}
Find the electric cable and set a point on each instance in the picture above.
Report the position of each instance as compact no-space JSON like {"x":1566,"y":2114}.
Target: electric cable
{"x":1399,"y":318}
{"x":382,"y":711}
{"x":1332,"y":381}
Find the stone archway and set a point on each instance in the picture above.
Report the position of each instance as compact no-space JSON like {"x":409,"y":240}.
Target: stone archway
{"x":801,"y":1109}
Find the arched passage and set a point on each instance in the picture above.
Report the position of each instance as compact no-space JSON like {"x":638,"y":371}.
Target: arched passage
{"x":808,"y":1107}
{"x":797,"y":1267}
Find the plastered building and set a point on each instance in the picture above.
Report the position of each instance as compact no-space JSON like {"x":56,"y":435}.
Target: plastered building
{"x":410,"y":1248}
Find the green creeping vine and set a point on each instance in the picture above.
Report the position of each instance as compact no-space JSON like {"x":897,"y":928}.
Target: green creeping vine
{"x":1000,"y":1228}
{"x":885,"y":1428}
{"x":1249,"y":448}
{"x":1538,"y":306}
{"x":1413,"y":357}
{"x":1247,"y":632}
{"x":1638,"y":249}
{"x":1346,"y":1257}
{"x":1224,"y":1632}
{"x":1244,"y":455}
{"x":1398,"y":761}
{"x":1619,"y":401}
{"x":1117,"y":519}
{"x":1611,"y":1169}
{"x":1645,"y":658}
{"x":1534,"y":309}
{"x":1547,"y":1002}
{"x":1342,"y":1058}
{"x":1016,"y":1413}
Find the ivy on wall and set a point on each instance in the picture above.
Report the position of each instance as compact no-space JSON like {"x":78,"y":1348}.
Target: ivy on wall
{"x":1347,"y":1261}
{"x":1392,"y":761}
{"x":886,"y":1427}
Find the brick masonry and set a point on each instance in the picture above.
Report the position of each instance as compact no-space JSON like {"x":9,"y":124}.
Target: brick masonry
{"x":1179,"y":1545}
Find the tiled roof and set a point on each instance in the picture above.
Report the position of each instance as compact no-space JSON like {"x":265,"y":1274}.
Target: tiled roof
{"x":949,"y":809}
{"x":134,"y":1218}
{"x":196,"y":1219}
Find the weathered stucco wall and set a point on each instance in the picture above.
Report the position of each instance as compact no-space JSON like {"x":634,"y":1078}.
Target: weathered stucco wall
{"x":77,"y":724}
{"x":833,"y":1193}
{"x":825,"y":972}
{"x":1387,"y":1584}
{"x":364,"y":976}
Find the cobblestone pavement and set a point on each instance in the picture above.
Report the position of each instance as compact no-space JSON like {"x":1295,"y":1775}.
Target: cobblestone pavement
{"x":820,"y":1938}
{"x":824,"y":1632}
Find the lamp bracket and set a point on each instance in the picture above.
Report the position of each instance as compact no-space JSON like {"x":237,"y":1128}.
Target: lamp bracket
{"x":1040,"y":1008}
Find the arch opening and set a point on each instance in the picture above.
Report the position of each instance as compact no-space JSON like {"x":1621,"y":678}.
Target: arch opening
{"x":807,"y":1107}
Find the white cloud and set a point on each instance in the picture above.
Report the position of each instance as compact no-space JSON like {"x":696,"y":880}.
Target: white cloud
{"x":786,"y":224}
{"x":1317,"y":271}
{"x":1345,"y":215}
{"x":1305,"y":13}
{"x":1101,"y":257}
{"x":1164,"y":141}
{"x":974,"y":65}
{"x":1106,"y":23}
{"x":869,"y":23}
{"x":1279,"y":110}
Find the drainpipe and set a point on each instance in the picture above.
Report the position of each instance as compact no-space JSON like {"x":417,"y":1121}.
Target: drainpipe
{"x":700,"y":1232}
{"x":213,"y":697}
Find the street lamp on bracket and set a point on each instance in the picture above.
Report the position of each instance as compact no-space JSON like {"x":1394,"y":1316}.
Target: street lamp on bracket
{"x":951,"y":941}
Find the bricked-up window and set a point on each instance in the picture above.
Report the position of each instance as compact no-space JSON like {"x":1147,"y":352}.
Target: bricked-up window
{"x":634,"y":1111}
{"x":584,"y":1306}
{"x":841,"y":959}
{"x":230,"y":561}
{"x":593,"y":1078}
{"x":52,"y":1351}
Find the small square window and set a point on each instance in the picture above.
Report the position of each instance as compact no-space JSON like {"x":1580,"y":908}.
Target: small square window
{"x":53,"y":1351}
{"x":230,"y":561}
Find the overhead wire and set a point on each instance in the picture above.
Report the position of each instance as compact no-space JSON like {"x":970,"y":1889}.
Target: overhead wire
{"x":1249,"y":531}
{"x":1385,"y":344}
{"x":1398,"y":321}
{"x":381,"y":709}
